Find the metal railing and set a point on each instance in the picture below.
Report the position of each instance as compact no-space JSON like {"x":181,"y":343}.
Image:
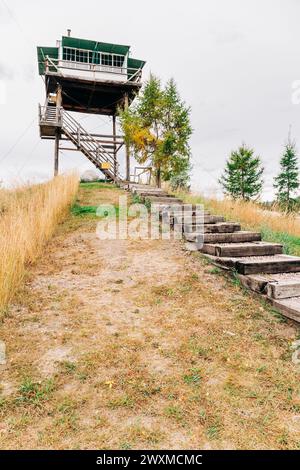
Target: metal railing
{"x":83,"y":140}
{"x":50,"y":115}
{"x":88,"y":144}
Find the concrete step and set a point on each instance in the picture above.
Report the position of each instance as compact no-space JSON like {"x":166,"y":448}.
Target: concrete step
{"x":233,"y":237}
{"x":261,"y":264}
{"x":242,"y":249}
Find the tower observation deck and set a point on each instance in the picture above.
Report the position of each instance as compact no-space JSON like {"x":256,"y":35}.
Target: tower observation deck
{"x":88,"y":77}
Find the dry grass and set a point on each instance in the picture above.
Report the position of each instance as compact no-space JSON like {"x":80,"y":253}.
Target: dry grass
{"x":275,"y":226}
{"x":249,"y":213}
{"x":29,"y":216}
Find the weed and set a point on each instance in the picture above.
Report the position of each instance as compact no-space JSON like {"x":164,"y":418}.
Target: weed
{"x":193,"y":378}
{"x":68,"y":366}
{"x":215,"y":270}
{"x":213,"y":431}
{"x":174,"y":412}
{"x":125,"y":446}
{"x":34,"y":393}
{"x":124,"y":401}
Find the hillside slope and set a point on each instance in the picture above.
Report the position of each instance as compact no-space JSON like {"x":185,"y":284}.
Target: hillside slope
{"x":138,"y":344}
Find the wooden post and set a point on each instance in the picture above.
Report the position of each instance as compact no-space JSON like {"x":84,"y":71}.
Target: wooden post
{"x":59,"y":96}
{"x":127,"y":146}
{"x":57,"y":131}
{"x":58,"y":102}
{"x":56,"y":151}
{"x":115,"y":147}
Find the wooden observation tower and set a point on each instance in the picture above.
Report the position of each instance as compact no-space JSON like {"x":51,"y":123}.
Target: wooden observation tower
{"x":87,"y":77}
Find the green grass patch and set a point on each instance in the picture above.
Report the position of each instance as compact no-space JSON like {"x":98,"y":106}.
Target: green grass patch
{"x":100,"y":184}
{"x":291,"y":243}
{"x":193,"y":378}
{"x":34,"y":393}
{"x":83,"y":211}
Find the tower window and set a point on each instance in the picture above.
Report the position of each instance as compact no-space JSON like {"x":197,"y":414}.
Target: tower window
{"x":92,"y":57}
{"x":106,"y":59}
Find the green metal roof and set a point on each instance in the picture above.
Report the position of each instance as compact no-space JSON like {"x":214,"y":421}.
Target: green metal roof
{"x":86,"y":44}
{"x":95,"y":45}
{"x":42,"y":52}
{"x":134,"y":64}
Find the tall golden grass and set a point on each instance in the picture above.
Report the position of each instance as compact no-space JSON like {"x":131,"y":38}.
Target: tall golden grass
{"x":249,"y":213}
{"x":28,"y":218}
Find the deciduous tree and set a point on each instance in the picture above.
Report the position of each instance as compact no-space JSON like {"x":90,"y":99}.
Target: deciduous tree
{"x":157,"y":129}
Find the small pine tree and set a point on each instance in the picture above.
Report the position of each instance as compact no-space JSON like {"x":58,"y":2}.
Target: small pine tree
{"x":242,"y":177}
{"x":287,"y":182}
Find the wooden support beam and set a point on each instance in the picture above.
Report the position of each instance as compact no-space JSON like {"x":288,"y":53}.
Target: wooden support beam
{"x":56,"y":152}
{"x":115,"y":146}
{"x":126,"y":104}
{"x":57,"y":131}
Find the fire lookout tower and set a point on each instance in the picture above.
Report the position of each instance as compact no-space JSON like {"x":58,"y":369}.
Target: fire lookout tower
{"x":87,"y":77}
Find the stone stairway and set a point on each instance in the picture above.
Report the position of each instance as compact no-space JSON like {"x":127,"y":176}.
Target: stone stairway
{"x":261,"y":266}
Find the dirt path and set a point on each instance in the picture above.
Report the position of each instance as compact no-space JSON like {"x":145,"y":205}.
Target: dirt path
{"x":137,"y":344}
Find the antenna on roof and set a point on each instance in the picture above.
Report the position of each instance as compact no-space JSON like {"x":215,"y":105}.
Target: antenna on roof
{"x":69,"y":32}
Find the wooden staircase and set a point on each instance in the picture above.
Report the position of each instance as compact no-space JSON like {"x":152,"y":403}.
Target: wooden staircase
{"x":260,"y":266}
{"x":53,"y":119}
{"x":89,"y":146}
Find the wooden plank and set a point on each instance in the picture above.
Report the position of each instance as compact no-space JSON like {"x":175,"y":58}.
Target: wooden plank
{"x":186,"y":211}
{"x":193,"y":208}
{"x":283,"y":289}
{"x":151,"y":192}
{"x":163,"y":200}
{"x":145,"y":194}
{"x":232,"y":237}
{"x":290,"y":308}
{"x":200,"y":218}
{"x":243,"y":249}
{"x":192,"y":218}
{"x":222,"y":227}
{"x":271,"y":264}
{"x":254,"y":282}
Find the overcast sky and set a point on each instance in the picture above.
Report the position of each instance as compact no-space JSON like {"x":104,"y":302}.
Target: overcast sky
{"x":234,"y":62}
